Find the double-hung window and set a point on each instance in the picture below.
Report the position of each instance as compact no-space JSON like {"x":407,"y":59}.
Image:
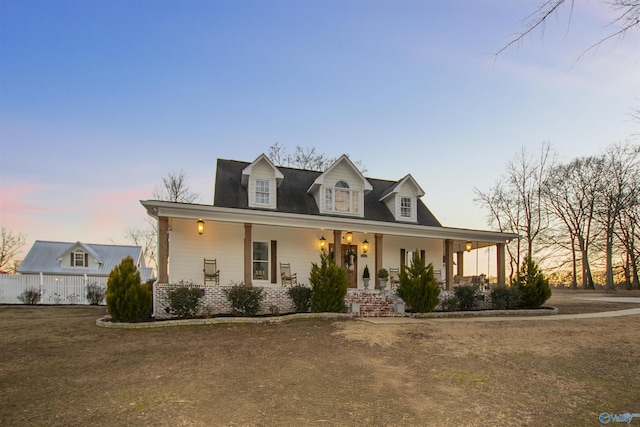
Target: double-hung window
{"x":79,"y":259}
{"x":405,"y":207}
{"x":260,"y":261}
{"x":262,"y":192}
{"x":341,"y":198}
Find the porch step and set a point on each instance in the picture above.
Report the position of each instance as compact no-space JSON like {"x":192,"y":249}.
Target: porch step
{"x":374,"y":303}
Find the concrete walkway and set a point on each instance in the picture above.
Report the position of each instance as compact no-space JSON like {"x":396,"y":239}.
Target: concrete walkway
{"x":617,"y":313}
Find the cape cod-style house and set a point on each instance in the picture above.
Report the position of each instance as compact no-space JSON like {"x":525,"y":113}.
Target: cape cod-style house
{"x":80,"y":259}
{"x":264,"y":216}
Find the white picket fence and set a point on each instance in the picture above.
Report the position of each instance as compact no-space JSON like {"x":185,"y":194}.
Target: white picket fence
{"x":54,"y":289}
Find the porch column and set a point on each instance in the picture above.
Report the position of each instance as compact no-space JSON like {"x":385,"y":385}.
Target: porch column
{"x":337,"y":248}
{"x":163,"y":249}
{"x":460,"y":266}
{"x":502,"y":280}
{"x":378,"y":241}
{"x":448,"y":263}
{"x":247,"y":254}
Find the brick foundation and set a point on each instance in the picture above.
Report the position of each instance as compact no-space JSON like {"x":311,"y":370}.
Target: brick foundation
{"x":372,"y":302}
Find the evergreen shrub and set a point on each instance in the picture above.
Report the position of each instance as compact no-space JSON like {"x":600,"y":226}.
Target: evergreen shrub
{"x":244,"y":300}
{"x":127,"y":299}
{"x":450,"y":304}
{"x":506,"y":297}
{"x":329,"y":285}
{"x":185,"y":300}
{"x":532,"y":283}
{"x":418,"y":287}
{"x":300,"y":295}
{"x":466,"y":295}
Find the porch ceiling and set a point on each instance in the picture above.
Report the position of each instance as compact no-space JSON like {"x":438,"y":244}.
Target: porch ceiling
{"x":459,"y":236}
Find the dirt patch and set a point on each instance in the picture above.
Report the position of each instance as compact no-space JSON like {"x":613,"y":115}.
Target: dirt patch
{"x":58,"y":368}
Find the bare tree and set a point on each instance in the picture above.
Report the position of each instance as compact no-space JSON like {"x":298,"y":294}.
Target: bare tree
{"x":146,"y":238}
{"x":627,"y":18}
{"x":304,"y":158}
{"x":10,"y":246}
{"x":622,"y":163}
{"x":516,"y":202}
{"x":175,"y":189}
{"x":570,"y":192}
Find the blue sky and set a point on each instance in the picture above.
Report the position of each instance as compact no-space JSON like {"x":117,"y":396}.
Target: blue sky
{"x":100,"y":99}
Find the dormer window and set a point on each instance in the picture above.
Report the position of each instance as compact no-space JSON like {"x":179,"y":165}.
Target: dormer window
{"x":405,"y":207}
{"x":79,"y":259}
{"x":342,"y":199}
{"x":262,"y":192}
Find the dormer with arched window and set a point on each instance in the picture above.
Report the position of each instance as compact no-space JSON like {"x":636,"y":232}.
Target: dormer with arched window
{"x":340,"y":189}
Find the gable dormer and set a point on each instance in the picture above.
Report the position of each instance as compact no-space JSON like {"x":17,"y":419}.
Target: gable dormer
{"x":402,"y":199}
{"x":340,"y":189}
{"x":262,"y":179}
{"x":79,"y":256}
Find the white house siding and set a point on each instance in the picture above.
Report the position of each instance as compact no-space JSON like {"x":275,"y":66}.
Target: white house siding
{"x":299,"y":247}
{"x":262,"y":171}
{"x":393,"y":245}
{"x":221,"y":241}
{"x":343,"y":172}
{"x":296,"y":246}
{"x":406,"y":190}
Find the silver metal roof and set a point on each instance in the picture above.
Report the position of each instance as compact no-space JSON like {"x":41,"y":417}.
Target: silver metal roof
{"x":45,"y":257}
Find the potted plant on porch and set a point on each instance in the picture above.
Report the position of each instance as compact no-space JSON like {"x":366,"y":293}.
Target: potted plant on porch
{"x":366,"y":277}
{"x":383,"y":275}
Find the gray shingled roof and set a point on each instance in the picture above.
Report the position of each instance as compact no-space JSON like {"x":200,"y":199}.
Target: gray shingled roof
{"x":44,"y":256}
{"x":293,"y":197}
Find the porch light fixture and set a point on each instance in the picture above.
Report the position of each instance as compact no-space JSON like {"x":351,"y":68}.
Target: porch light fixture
{"x":365,"y":247}
{"x":349,"y":237}
{"x":200,"y":226}
{"x":469,"y":246}
{"x":323,"y":243}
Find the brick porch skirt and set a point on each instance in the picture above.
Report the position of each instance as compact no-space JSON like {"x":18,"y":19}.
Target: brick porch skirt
{"x":371,"y":302}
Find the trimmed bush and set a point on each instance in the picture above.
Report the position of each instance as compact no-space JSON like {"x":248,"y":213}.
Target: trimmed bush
{"x":127,"y":299}
{"x":185,"y":300}
{"x":329,"y":285}
{"x":506,"y":297}
{"x":300,"y":295}
{"x":31,"y":296}
{"x":532,"y":283}
{"x":244,"y":300}
{"x":466,"y":295}
{"x":95,"y":294}
{"x":418,"y":287}
{"x":450,"y":304}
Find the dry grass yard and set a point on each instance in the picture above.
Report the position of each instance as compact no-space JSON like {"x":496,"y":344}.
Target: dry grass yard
{"x":59,"y":369}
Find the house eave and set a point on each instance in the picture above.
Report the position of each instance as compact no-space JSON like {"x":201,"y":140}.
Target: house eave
{"x":194,"y":212}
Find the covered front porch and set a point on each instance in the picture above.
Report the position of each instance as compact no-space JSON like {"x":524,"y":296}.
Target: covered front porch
{"x":249,"y":245}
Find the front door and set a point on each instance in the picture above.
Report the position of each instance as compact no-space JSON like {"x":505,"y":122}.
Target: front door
{"x":349,"y":262}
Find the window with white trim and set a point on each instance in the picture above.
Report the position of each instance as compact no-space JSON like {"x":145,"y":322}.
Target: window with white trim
{"x":342,"y":199}
{"x":405,"y":207}
{"x":79,"y":259}
{"x":262,"y":192}
{"x":260,"y":267}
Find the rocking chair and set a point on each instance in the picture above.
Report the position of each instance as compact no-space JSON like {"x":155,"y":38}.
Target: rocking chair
{"x":287,"y":277}
{"x":211,"y":272}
